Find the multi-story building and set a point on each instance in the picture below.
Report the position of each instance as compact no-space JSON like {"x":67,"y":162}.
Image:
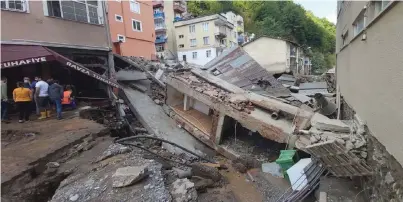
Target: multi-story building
{"x":369,"y":74}
{"x":165,"y":14}
{"x":278,"y":55}
{"x":238,"y":23}
{"x":201,"y":39}
{"x":64,"y":40}
{"x":132,"y":28}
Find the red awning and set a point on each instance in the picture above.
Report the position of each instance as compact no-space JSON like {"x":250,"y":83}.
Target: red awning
{"x":17,"y":55}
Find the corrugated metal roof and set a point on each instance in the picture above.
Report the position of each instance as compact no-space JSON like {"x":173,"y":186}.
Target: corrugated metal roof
{"x":237,"y":67}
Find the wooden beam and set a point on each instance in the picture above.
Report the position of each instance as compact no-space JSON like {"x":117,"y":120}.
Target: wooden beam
{"x":259,"y":100}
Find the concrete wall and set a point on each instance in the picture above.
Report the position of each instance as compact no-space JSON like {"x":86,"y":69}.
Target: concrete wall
{"x":201,"y":59}
{"x":370,"y":72}
{"x":171,"y":32}
{"x":35,"y":26}
{"x":136,"y":43}
{"x":270,"y":53}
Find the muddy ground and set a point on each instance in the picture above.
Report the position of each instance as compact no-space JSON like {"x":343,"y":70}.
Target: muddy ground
{"x":75,"y":159}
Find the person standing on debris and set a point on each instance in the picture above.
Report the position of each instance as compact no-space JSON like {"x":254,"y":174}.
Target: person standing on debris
{"x":33,"y":88}
{"x":56,"y":95}
{"x":41,"y":92}
{"x":22,"y":97}
{"x":4,"y":100}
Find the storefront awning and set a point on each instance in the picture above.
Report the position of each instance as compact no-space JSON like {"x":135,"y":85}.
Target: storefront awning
{"x":17,"y":55}
{"x":81,"y":68}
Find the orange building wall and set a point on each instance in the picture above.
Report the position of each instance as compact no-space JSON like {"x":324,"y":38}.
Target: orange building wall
{"x":139,"y":44}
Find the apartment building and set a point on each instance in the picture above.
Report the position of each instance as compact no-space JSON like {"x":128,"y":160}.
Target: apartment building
{"x":278,"y":55}
{"x":369,"y":74}
{"x":239,"y":26}
{"x":202,"y":39}
{"x":165,"y":14}
{"x":132,"y":28}
{"x":64,"y":40}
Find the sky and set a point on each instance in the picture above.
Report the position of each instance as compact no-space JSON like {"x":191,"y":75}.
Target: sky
{"x":323,"y":9}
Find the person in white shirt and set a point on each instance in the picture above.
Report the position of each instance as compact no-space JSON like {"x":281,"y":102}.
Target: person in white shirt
{"x":41,"y":92}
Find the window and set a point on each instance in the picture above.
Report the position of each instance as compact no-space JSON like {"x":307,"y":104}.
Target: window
{"x":205,"y":26}
{"x":136,"y":25}
{"x":205,"y":40}
{"x":134,"y":6}
{"x":208,"y":53}
{"x":181,"y":46}
{"x":344,"y":38}
{"x":359,"y":24}
{"x":159,"y":48}
{"x":222,"y":41}
{"x":181,"y":36}
{"x":193,"y":42}
{"x":194,"y":55}
{"x":380,"y":5}
{"x":192,"y":28}
{"x":121,"y":38}
{"x":157,"y":10}
{"x":14,"y":5}
{"x":118,"y":18}
{"x":81,"y":11}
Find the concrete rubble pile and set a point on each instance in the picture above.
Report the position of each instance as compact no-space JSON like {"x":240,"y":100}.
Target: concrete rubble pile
{"x":217,"y":93}
{"x":350,"y":133}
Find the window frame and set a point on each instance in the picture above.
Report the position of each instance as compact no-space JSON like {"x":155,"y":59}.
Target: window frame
{"x":195,"y":43}
{"x":24,"y":4}
{"x":360,"y":18}
{"x":192,"y":30}
{"x":141,"y":25}
{"x":181,"y":46}
{"x":194,"y":55}
{"x":116,"y":15}
{"x":204,"y":41}
{"x":124,"y":38}
{"x":98,"y":7}
{"x":205,"y":26}
{"x":134,"y":2}
{"x":207,"y":55}
{"x":181,"y":36}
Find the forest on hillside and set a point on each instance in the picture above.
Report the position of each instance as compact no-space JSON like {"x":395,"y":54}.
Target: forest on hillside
{"x":283,"y":19}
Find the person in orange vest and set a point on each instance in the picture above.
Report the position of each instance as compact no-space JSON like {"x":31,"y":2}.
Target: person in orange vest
{"x":67,"y":97}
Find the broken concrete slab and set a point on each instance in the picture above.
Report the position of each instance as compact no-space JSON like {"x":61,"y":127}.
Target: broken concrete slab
{"x":154,"y":119}
{"x":184,"y":191}
{"x":113,"y":150}
{"x":321,"y":122}
{"x":127,"y":176}
{"x":130,"y":75}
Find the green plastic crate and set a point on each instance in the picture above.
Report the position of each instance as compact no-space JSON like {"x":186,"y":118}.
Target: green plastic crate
{"x":286,"y":159}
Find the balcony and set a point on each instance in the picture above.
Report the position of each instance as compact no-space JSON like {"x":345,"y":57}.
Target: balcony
{"x":179,"y":7}
{"x":160,"y":28}
{"x":220,"y":32}
{"x":157,"y":4}
{"x":159,"y":15}
{"x":160,"y":39}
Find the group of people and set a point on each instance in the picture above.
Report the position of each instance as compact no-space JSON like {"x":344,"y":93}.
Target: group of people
{"x":42,"y":93}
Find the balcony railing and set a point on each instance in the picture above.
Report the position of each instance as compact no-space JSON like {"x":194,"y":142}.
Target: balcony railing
{"x":159,"y":15}
{"x":161,"y":39}
{"x":160,"y":27}
{"x":220,"y":32}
